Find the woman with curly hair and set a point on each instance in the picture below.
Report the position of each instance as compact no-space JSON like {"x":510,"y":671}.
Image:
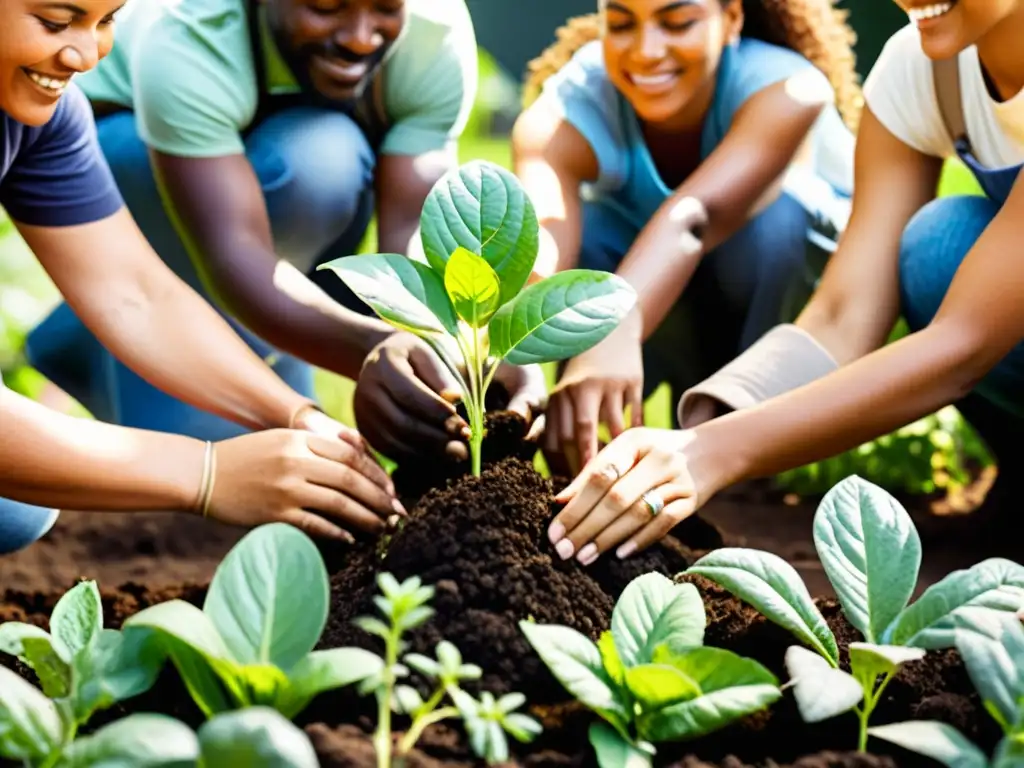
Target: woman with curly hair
{"x":695,"y":149}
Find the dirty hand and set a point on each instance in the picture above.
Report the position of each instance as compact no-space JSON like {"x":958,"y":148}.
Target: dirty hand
{"x":404,"y":401}
{"x":528,"y":393}
{"x":629,"y":496}
{"x":279,"y":475}
{"x":595,"y":388}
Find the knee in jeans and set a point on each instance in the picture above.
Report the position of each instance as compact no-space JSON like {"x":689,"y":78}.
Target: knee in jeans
{"x":23,"y":524}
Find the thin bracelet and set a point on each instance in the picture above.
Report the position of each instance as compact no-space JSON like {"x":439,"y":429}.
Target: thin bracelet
{"x":212,"y":464}
{"x":206,"y":483}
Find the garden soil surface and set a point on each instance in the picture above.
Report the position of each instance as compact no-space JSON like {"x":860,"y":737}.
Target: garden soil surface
{"x":482,"y":544}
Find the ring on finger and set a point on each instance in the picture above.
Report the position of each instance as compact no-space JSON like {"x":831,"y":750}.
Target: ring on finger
{"x":612,"y":472}
{"x":655,"y":504}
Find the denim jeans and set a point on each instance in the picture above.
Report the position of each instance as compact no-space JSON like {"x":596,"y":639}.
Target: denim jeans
{"x":23,"y":524}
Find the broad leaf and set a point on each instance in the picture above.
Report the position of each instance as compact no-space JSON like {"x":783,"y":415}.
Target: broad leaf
{"x":53,"y":672}
{"x":820,"y":691}
{"x":30,"y":726}
{"x":13,"y":633}
{"x":269,"y":597}
{"x":326,"y":670}
{"x":929,"y":622}
{"x":869,"y":661}
{"x":403,"y":292}
{"x":483,"y":208}
{"x":76,"y":619}
{"x":261,"y":684}
{"x":576,"y":664}
{"x":472,"y":287}
{"x":658,"y":685}
{"x":610,"y":658}
{"x":991,"y":644}
{"x":137,"y":741}
{"x":613,"y":751}
{"x":933,"y":739}
{"x":257,"y":737}
{"x":653,"y":610}
{"x":870,"y":551}
{"x":560,"y":317}
{"x":121,"y":665}
{"x":773,"y":587}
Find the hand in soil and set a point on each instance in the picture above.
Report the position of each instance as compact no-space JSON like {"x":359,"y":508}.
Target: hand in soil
{"x":277,"y":475}
{"x":630,"y":496}
{"x":527,"y":391}
{"x":404,"y":401}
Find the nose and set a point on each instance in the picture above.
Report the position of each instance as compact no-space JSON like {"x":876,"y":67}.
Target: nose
{"x":651,"y":45}
{"x":361,"y":37}
{"x":82,"y":55}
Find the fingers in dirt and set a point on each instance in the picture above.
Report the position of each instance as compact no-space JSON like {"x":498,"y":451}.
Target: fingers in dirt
{"x":315,"y":526}
{"x":629,"y":524}
{"x":658,"y":528}
{"x":347,"y":509}
{"x":360,"y":461}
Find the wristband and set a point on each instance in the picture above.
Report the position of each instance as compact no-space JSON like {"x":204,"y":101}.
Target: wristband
{"x":206,"y":483}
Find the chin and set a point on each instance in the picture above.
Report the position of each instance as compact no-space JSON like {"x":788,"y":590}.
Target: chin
{"x":939,"y":47}
{"x":28,"y":113}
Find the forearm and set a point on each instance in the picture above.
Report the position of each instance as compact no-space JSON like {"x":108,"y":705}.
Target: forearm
{"x":59,"y":461}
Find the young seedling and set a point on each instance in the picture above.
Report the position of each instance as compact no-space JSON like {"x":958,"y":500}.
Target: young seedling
{"x":404,"y":606}
{"x":649,"y":677}
{"x":252,"y":642}
{"x":82,"y":667}
{"x":469,"y":301}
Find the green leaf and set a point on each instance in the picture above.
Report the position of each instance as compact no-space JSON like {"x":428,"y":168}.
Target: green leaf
{"x":610,"y":658}
{"x":119,"y":666}
{"x":472,"y":287}
{"x":613,"y":751}
{"x":137,"y":741}
{"x":773,"y":587}
{"x":930,"y":622}
{"x":868,"y":661}
{"x":13,"y":633}
{"x":257,"y":737}
{"x":326,"y":670}
{"x":53,"y":672}
{"x":253,"y":597}
{"x":483,"y":208}
{"x":261,"y":685}
{"x":653,"y":610}
{"x":30,"y":726}
{"x":560,"y":317}
{"x":403,"y":292}
{"x":991,"y":644}
{"x":76,"y":619}
{"x":576,"y":664}
{"x":658,"y":685}
{"x":522,"y":728}
{"x":870,"y":551}
{"x":820,"y":691}
{"x":933,"y":739}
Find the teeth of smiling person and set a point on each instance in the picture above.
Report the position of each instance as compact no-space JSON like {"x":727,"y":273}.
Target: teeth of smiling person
{"x":651,"y":80}
{"x":49,"y":83}
{"x":929,"y":11}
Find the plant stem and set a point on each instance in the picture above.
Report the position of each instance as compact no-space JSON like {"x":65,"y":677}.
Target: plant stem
{"x":382,"y":738}
{"x":476,"y":416}
{"x":421,"y":723}
{"x":871,"y":699}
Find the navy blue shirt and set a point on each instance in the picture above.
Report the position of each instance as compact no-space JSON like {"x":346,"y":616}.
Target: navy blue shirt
{"x":55,"y":175}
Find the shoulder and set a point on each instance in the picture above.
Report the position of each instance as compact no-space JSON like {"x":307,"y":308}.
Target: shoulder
{"x":754,"y":65}
{"x":438,"y":32}
{"x":901,"y":64}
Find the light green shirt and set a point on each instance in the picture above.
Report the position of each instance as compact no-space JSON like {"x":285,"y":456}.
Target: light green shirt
{"x":186,"y":69}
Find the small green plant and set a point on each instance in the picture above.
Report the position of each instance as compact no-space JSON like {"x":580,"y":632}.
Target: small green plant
{"x":480,"y":237}
{"x":252,"y":642}
{"x":649,"y":677}
{"x":404,"y":606}
{"x":82,"y":667}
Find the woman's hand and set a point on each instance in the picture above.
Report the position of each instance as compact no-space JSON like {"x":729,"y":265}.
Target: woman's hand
{"x":281,"y":475}
{"x":629,"y":496}
{"x":528,"y":393}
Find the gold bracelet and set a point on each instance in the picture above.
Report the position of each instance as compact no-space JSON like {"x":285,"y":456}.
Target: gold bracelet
{"x":208,"y":494}
{"x":206,"y":483}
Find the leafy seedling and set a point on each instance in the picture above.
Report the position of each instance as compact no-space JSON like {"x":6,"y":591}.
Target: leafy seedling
{"x":470,"y":302}
{"x":82,"y":667}
{"x":992,"y":646}
{"x":252,"y":642}
{"x":649,"y":677}
{"x":404,"y":606}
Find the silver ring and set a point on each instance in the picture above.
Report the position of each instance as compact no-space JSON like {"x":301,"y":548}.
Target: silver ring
{"x":612,"y":472}
{"x":654,"y":502}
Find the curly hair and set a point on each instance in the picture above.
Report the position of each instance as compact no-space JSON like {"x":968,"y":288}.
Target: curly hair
{"x":813,"y":28}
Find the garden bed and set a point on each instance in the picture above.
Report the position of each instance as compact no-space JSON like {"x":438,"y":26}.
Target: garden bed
{"x":481,"y":542}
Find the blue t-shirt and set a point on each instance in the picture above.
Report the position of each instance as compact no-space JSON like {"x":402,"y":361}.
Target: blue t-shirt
{"x":628,"y":180}
{"x":55,"y":175}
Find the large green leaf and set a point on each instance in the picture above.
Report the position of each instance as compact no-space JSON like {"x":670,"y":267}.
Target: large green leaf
{"x":35,"y":648}
{"x":257,"y":737}
{"x":869,"y":661}
{"x":30,"y":726}
{"x":403,"y":292}
{"x":76,"y":619}
{"x":613,"y":751}
{"x":560,"y":317}
{"x":933,"y":739}
{"x":137,"y":741}
{"x":929,"y":622}
{"x":652,"y":610}
{"x":472,"y":287}
{"x":991,"y":644}
{"x":870,"y":551}
{"x":326,"y":670}
{"x":269,"y":597}
{"x":820,"y":690}
{"x":773,"y":587}
{"x":483,"y":208}
{"x":119,"y":666}
{"x":658,"y":685}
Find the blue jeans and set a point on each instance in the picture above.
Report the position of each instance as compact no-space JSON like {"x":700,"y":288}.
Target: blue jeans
{"x":23,"y":524}
{"x":315,"y":168}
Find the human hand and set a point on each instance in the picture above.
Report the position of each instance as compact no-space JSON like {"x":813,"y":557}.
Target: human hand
{"x":629,"y":496}
{"x":312,"y":419}
{"x":528,"y":393}
{"x":278,"y":475}
{"x":404,"y":401}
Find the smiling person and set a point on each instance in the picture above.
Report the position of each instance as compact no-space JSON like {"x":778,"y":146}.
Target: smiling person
{"x":693,"y":147}
{"x":950,"y":84}
{"x":59,"y":192}
{"x":253,"y":141}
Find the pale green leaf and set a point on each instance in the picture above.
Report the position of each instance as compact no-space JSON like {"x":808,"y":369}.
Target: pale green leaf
{"x":13,"y":633}
{"x":610,"y":658}
{"x":76,"y":619}
{"x":773,"y":587}
{"x":137,"y":741}
{"x":658,"y":685}
{"x":257,"y":737}
{"x":707,"y":713}
{"x":821,"y":691}
{"x":53,"y":672}
{"x":653,"y":610}
{"x":30,"y":726}
{"x":560,"y":317}
{"x":870,"y":551}
{"x":991,"y":644}
{"x":613,"y":751}
{"x":472,"y":287}
{"x":868,"y":660}
{"x":933,"y":739}
{"x":326,"y":670}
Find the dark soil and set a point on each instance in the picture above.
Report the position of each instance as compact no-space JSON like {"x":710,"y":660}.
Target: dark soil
{"x":482,"y":543}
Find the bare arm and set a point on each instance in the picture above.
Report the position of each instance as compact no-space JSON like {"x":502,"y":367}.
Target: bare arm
{"x":403,"y":183}
{"x":153,"y":322}
{"x":218,"y":207}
